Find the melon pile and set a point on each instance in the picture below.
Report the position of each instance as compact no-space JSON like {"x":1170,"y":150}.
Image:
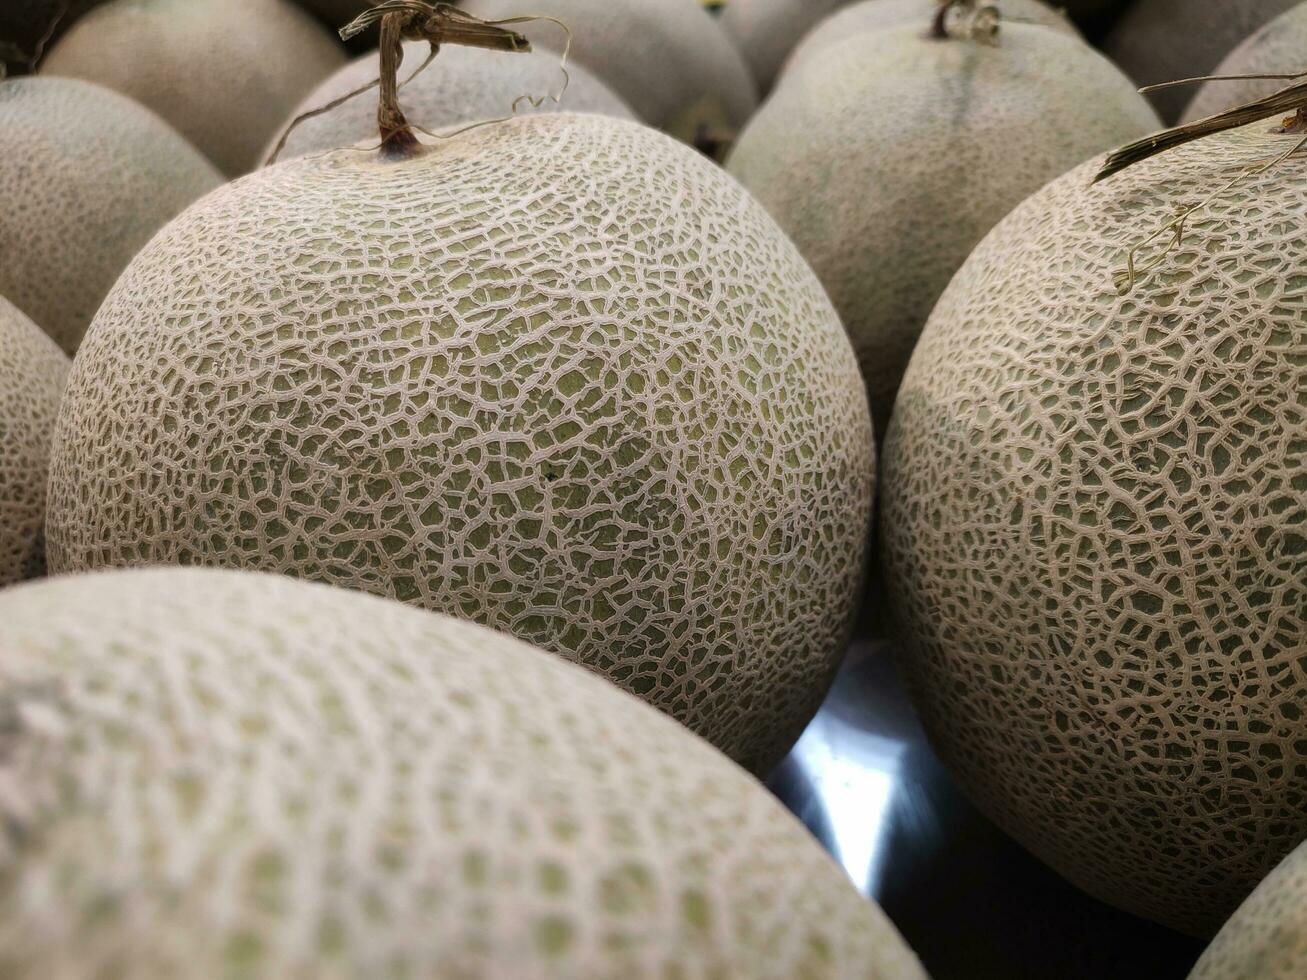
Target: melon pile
{"x":888,"y":155}
{"x":1165,"y":40}
{"x":224,"y":73}
{"x":463,"y":488}
{"x":87,"y":176}
{"x":462,"y":86}
{"x":765,"y":30}
{"x":669,"y":59}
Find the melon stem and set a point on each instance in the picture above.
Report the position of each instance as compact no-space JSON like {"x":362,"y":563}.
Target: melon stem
{"x":981,"y":24}
{"x":397,"y":139}
{"x":1297,"y":123}
{"x":939,"y":23}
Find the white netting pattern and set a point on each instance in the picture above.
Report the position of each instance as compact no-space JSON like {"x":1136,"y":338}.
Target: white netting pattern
{"x":1095,"y":528}
{"x":210,"y":774}
{"x":32,"y":374}
{"x":561,"y":375}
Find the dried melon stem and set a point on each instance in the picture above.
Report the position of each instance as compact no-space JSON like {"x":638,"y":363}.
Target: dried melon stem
{"x":439,"y":23}
{"x":397,"y":139}
{"x":970,"y":20}
{"x":1292,"y":98}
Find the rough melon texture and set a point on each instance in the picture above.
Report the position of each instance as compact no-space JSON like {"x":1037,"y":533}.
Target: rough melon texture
{"x":225,"y":73}
{"x":879,"y":15}
{"x":561,"y":375}
{"x":669,"y":59}
{"x":459,"y":86}
{"x":1280,"y":46}
{"x":211,"y":774}
{"x":888,"y":158}
{"x":1094,"y":529}
{"x":1164,"y":40}
{"x":767,"y":30}
{"x":86,"y":177}
{"x":1266,"y":938}
{"x":32,"y":374}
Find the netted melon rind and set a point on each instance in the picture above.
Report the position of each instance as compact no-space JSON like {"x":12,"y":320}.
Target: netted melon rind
{"x":213,"y":773}
{"x":880,"y":15}
{"x":1166,"y":40}
{"x":1094,"y":531}
{"x":561,"y":375}
{"x":1266,"y":939}
{"x":461,"y":85}
{"x":669,"y":59}
{"x":888,"y":158}
{"x":86,"y":177}
{"x":32,"y":374}
{"x":224,"y":73}
{"x":1277,"y":46}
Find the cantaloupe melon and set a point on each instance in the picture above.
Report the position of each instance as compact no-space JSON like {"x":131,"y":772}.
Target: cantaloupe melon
{"x":1165,"y":40}
{"x":1279,"y":46}
{"x":559,"y":374}
{"x":890,"y":156}
{"x":32,"y":374}
{"x":1266,"y":939}
{"x":879,"y":15}
{"x":86,"y":177}
{"x":461,"y":85}
{"x":225,"y":73}
{"x":214,"y":773}
{"x":1094,"y":529}
{"x":669,"y":59}
{"x":767,"y":30}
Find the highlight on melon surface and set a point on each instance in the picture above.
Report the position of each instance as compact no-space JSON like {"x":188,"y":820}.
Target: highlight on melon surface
{"x":558,"y":374}
{"x":1279,"y":46}
{"x":1094,"y":528}
{"x":1266,"y":938}
{"x":216,"y":773}
{"x":32,"y":374}
{"x":669,"y":59}
{"x":225,"y":73}
{"x":879,"y":15}
{"x":887,"y":158}
{"x":86,"y":176}
{"x":767,"y":30}
{"x":461,"y":85}
{"x":1165,"y":40}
